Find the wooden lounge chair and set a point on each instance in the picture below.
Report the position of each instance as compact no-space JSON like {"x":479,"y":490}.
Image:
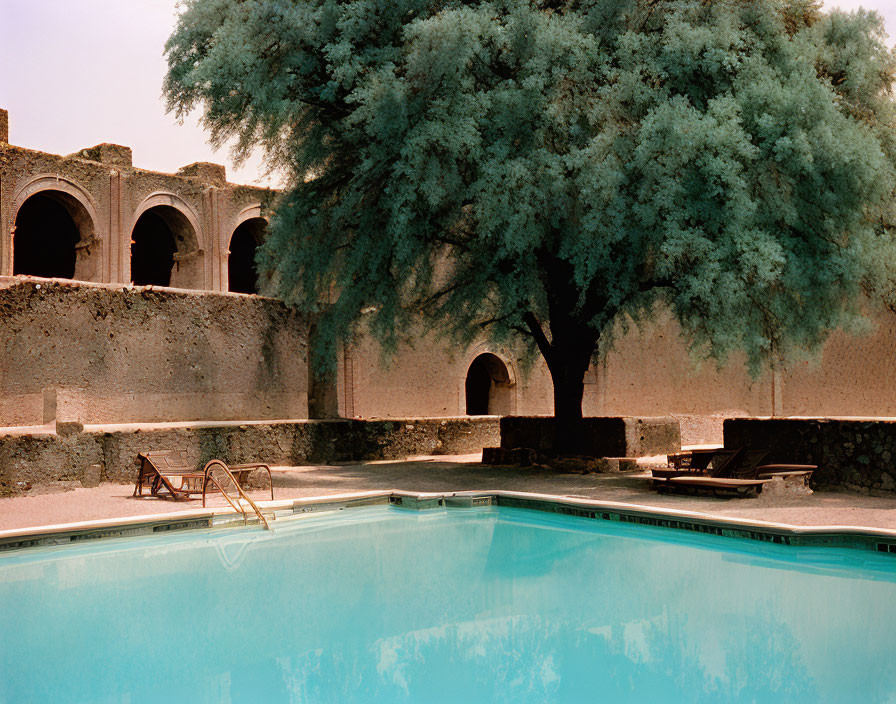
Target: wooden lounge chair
{"x":739,"y":473}
{"x":711,"y":485}
{"x":743,"y":464}
{"x":749,"y":466}
{"x":707,"y":463}
{"x":167,"y":472}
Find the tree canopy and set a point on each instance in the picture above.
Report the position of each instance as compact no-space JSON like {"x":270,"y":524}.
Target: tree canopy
{"x":547,"y":168}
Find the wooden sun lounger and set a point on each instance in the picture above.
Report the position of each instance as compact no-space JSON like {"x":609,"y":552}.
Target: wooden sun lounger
{"x":168,"y":473}
{"x":711,"y":463}
{"x":719,"y":487}
{"x":739,"y":472}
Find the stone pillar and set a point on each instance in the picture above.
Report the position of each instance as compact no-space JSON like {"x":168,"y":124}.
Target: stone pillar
{"x":118,"y":244}
{"x":5,"y":234}
{"x":5,"y":238}
{"x":212,"y":240}
{"x":7,"y":227}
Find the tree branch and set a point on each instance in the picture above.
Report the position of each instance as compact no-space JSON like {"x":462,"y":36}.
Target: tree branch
{"x":535,"y":329}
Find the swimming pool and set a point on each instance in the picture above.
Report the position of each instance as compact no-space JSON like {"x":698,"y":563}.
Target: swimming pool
{"x":486,"y":604}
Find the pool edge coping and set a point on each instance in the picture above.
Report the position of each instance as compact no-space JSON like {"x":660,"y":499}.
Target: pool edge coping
{"x":848,"y":536}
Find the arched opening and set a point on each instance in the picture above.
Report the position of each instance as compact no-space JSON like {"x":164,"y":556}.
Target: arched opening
{"x":242,"y":274}
{"x":53,"y":236}
{"x":489,"y":389}
{"x":162,"y":244}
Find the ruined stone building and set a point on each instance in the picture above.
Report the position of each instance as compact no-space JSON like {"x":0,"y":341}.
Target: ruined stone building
{"x":150,"y":318}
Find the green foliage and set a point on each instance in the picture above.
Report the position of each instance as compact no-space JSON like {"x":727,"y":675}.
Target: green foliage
{"x":494,"y":165}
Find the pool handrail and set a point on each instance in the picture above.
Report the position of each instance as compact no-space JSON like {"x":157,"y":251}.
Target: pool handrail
{"x":236,"y":504}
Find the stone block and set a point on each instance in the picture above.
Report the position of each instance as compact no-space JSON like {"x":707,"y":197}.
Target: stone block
{"x":66,"y":428}
{"x":92,"y":475}
{"x":4,"y":126}
{"x":600,"y":436}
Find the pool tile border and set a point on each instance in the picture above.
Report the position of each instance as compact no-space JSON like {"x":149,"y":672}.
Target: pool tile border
{"x":852,"y":537}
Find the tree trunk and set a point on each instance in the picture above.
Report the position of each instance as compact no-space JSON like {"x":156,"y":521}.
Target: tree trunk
{"x":570,"y":349}
{"x":567,"y":355}
{"x":568,"y":376}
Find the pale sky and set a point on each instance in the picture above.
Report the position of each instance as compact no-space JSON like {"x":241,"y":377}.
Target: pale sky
{"x":75,"y":73}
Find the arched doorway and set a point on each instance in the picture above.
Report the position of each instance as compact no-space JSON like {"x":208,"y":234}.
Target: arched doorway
{"x":163,"y":245}
{"x":52,"y":238}
{"x":489,"y":389}
{"x":242,"y":274}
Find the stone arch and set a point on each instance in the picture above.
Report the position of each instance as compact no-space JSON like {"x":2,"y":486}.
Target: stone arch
{"x":489,"y":386}
{"x":54,"y":231}
{"x":248,"y":232}
{"x":166,"y":244}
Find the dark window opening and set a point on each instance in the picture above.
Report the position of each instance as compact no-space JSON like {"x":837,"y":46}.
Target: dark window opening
{"x":45,"y":239}
{"x":242,"y":272}
{"x":152,"y":250}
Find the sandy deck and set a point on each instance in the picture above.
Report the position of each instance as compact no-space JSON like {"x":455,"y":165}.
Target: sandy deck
{"x":43,"y":506}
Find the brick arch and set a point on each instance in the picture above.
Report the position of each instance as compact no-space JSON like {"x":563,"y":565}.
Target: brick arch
{"x":172,"y":200}
{"x":92,"y":249}
{"x":237,"y":279}
{"x":253,"y":212}
{"x":189,"y":270}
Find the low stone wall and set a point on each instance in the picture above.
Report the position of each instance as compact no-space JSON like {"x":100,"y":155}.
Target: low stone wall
{"x":850,"y":453}
{"x":40,"y":458}
{"x":601,"y":437}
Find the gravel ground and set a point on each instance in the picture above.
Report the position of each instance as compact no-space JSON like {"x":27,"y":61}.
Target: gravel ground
{"x":47,"y":505}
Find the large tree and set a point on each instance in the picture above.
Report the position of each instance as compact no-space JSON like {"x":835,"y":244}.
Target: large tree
{"x":551,"y":168}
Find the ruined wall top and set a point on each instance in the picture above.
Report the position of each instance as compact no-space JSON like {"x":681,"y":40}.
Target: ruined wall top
{"x":213,"y":173}
{"x":111,"y":154}
{"x":117,"y":223}
{"x":120,"y":156}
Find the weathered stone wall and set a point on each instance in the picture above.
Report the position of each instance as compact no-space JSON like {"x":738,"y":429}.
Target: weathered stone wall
{"x":855,"y":376}
{"x":428,"y":379}
{"x":648,"y":373}
{"x":851,"y":453}
{"x":98,"y":354}
{"x":39,"y":458}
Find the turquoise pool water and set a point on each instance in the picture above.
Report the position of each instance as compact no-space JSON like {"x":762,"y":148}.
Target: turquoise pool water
{"x":460,"y":605}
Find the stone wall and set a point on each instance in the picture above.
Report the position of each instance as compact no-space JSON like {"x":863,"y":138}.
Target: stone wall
{"x":851,"y":453}
{"x":96,"y":354}
{"x":649,"y":372}
{"x":45,"y":457}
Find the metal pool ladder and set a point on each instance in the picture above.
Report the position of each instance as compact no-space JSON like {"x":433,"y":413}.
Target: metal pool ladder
{"x":218,"y":474}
